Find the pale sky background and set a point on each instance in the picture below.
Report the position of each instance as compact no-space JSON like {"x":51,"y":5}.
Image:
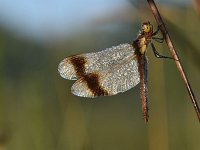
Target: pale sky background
{"x":39,"y":17}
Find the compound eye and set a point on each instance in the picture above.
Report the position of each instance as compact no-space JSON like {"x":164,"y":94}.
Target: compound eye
{"x":147,"y":29}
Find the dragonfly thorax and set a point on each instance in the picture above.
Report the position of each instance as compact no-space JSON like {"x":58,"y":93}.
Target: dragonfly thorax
{"x":143,"y":39}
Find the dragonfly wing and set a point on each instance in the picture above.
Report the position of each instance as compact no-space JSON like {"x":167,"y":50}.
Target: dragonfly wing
{"x":118,"y":78}
{"x":77,"y":66}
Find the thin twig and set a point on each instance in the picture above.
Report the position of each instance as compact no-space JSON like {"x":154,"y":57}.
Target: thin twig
{"x":174,"y":54}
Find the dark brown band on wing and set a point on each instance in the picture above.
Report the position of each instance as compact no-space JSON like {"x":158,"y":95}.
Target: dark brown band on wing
{"x":79,"y":65}
{"x":142,"y":62}
{"x":93,"y":84}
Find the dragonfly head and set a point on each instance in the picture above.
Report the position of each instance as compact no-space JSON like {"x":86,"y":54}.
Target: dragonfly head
{"x":147,"y":28}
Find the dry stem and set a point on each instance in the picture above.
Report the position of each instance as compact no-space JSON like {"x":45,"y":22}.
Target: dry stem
{"x":174,"y":54}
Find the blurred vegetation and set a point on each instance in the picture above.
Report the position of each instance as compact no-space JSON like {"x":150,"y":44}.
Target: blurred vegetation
{"x":38,"y":112}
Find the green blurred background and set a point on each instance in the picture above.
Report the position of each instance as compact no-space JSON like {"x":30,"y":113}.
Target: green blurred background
{"x":37,"y":109}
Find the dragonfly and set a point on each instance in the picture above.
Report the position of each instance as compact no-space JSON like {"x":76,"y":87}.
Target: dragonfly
{"x":113,"y":70}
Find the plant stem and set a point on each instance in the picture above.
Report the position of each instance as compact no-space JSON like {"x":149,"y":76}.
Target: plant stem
{"x":168,"y":40}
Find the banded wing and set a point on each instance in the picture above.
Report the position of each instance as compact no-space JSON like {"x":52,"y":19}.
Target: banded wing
{"x":119,"y":78}
{"x":77,"y":66}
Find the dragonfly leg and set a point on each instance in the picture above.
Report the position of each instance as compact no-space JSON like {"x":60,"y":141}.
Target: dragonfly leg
{"x":157,"y":55}
{"x":158,"y":29}
{"x":156,"y":32}
{"x":158,"y":39}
